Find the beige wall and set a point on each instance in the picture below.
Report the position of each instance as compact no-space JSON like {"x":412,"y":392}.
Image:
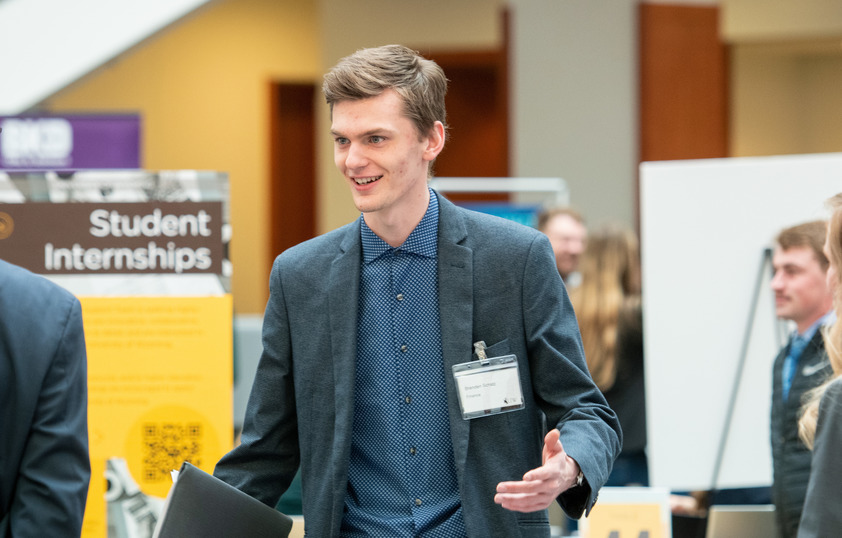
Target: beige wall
{"x":201,"y":88}
{"x":779,"y":20}
{"x":575,"y":101}
{"x":786,"y":69}
{"x":785,"y":98}
{"x":764,"y":93}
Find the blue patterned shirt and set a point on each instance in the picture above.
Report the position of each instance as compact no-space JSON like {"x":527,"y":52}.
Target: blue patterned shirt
{"x":402,"y":479}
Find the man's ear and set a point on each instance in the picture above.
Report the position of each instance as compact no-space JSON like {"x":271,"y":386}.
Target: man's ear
{"x":435,"y":141}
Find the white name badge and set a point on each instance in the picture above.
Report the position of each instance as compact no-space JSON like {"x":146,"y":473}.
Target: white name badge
{"x":488,"y":386}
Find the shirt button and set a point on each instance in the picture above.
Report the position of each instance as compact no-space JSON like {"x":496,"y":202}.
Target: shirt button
{"x":407,"y":399}
{"x":404,"y":348}
{"x":399,"y":297}
{"x":412,"y":451}
{"x":417,"y":502}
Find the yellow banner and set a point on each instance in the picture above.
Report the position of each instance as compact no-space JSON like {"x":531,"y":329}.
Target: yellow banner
{"x":159,"y":393}
{"x":626,"y":521}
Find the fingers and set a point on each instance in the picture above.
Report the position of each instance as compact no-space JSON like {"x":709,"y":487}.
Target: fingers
{"x":552,"y":448}
{"x":520,"y":487}
{"x":552,"y":445}
{"x":523,"y":502}
{"x":540,"y":486}
{"x":524,"y":496}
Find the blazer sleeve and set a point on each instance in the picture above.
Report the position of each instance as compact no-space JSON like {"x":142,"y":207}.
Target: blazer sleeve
{"x":821,"y":515}
{"x":54,"y":473}
{"x":265,"y":462}
{"x":590,"y":430}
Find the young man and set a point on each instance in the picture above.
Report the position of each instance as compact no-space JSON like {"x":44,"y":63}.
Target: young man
{"x":365,"y":324}
{"x":801,"y":296}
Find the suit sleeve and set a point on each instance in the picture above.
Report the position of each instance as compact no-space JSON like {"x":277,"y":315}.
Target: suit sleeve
{"x":821,"y":515}
{"x":590,"y":431}
{"x":265,"y":462}
{"x":55,"y":470}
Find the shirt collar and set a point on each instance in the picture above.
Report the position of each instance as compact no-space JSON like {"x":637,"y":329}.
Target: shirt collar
{"x":827,"y":319}
{"x":421,"y":241}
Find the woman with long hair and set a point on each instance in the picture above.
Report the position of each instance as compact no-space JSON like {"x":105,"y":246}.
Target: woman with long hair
{"x":821,"y":423}
{"x":608,"y":308}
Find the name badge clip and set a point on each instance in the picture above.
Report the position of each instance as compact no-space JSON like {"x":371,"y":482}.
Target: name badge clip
{"x":488,"y":385}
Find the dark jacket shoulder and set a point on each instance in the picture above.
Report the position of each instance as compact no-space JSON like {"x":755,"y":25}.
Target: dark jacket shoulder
{"x":25,"y":297}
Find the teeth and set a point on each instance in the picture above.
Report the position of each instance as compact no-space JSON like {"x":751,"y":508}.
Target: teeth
{"x":366,"y":180}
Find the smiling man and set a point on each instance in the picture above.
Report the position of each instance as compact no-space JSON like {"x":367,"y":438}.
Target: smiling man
{"x":803,"y":297}
{"x":367,"y":379}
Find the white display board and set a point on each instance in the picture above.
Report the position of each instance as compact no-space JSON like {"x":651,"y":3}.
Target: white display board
{"x":551,"y":190}
{"x":704,"y":227}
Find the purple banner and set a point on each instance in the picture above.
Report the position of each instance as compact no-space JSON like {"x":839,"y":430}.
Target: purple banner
{"x":70,"y":142}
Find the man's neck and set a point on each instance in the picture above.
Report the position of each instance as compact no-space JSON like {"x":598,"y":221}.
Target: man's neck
{"x":394,"y":226}
{"x":803,"y":325}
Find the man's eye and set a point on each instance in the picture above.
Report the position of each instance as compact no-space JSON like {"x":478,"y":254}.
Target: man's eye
{"x":340,"y":141}
{"x":377,"y":139}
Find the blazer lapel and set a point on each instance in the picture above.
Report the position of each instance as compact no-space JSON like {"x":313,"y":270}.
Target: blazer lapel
{"x":456,"y":312}
{"x":343,"y":289}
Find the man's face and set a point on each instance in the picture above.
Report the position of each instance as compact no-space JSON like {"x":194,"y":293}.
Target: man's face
{"x":381,"y":155}
{"x":800,"y":286}
{"x":567,"y":237}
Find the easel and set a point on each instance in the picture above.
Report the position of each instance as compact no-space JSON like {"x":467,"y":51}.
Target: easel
{"x":765,"y":265}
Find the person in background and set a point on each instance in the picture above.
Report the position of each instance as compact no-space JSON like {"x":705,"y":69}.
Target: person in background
{"x":568,"y":236}
{"x":608,"y":307}
{"x":801,"y":296}
{"x":363,"y":328}
{"x":820,"y":425}
{"x":44,"y":464}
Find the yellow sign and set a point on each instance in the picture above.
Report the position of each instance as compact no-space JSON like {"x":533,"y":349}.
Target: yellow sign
{"x":639,"y":518}
{"x":159,"y":393}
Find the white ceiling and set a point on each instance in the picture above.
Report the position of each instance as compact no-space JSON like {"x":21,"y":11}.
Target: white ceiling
{"x":47,"y":44}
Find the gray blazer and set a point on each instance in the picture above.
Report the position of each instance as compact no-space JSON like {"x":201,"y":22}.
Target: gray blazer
{"x":44,"y":465}
{"x":822,"y":516}
{"x":497,"y":283}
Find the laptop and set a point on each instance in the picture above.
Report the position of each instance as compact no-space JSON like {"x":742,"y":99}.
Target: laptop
{"x":201,"y":505}
{"x":741,"y":521}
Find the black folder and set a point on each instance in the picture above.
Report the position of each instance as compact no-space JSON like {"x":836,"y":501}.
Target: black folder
{"x":201,"y":505}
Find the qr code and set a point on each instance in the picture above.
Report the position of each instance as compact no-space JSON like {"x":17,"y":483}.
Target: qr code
{"x":166,"y":445}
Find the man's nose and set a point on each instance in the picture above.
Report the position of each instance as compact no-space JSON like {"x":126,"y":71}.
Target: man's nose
{"x":355,"y":157}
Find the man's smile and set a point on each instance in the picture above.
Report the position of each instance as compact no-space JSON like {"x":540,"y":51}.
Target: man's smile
{"x":365,"y":180}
